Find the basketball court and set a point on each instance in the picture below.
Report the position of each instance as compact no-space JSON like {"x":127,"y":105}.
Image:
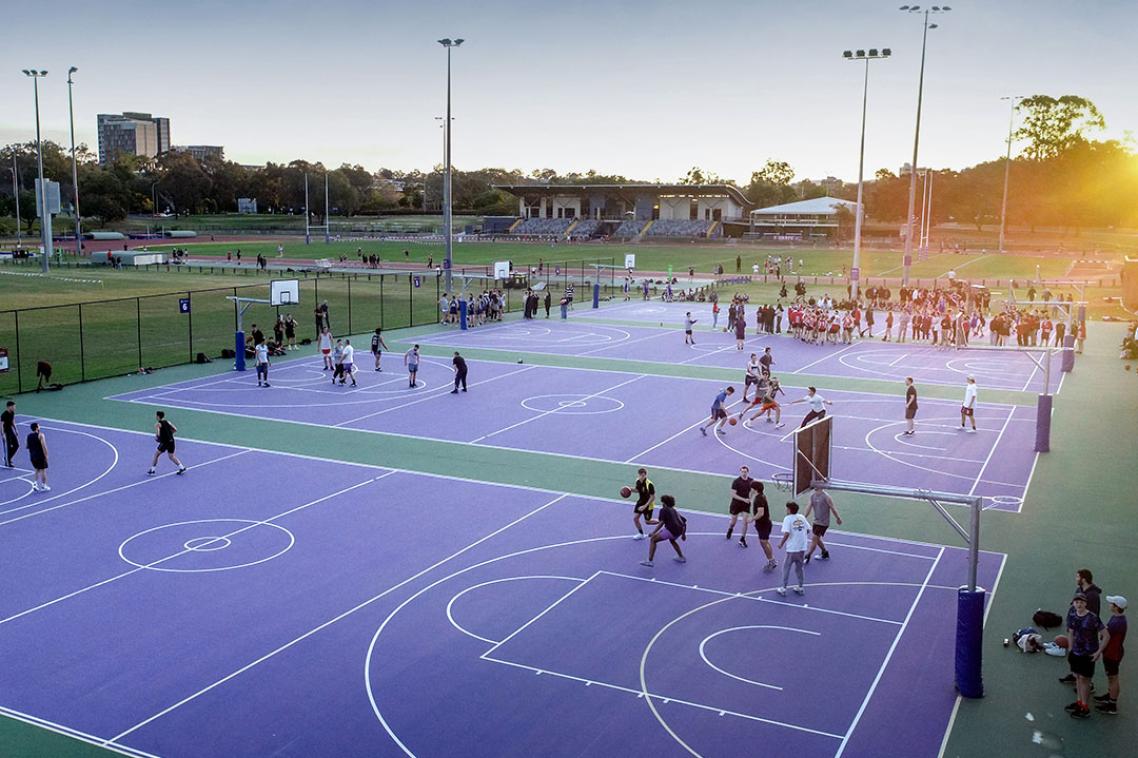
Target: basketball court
{"x":123,"y":583}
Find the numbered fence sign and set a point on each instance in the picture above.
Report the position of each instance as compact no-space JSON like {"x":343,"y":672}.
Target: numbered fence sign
{"x":183,"y":305}
{"x":3,"y":359}
{"x":418,"y":282}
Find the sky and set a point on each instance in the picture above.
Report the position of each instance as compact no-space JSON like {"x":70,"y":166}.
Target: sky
{"x":642,"y":88}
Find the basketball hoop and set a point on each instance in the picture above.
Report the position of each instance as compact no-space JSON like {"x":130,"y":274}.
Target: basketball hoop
{"x":783,"y":481}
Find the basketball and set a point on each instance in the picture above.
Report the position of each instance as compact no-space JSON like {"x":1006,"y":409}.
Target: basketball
{"x":732,"y":421}
{"x":1062,"y":641}
{"x":625,"y":491}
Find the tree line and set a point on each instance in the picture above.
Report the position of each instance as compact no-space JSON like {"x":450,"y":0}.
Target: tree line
{"x":1060,"y":176}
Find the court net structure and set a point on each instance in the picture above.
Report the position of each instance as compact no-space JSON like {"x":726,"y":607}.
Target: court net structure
{"x":810,"y":469}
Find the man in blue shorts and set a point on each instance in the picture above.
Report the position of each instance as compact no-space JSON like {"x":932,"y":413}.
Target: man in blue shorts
{"x":718,"y":412}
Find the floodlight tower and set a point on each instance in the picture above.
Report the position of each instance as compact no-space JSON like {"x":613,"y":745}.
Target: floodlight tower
{"x":45,"y":216}
{"x":1008,"y":166}
{"x":925,"y":26}
{"x":448,"y":205}
{"x":74,"y":165}
{"x":861,"y":55}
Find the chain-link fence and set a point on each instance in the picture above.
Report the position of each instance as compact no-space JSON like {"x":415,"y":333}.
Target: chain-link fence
{"x":96,"y":340}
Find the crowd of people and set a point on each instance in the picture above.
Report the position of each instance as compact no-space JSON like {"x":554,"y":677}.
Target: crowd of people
{"x":482,"y":308}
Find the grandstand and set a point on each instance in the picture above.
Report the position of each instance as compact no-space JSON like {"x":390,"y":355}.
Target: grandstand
{"x":542,"y":227}
{"x":676,"y":227}
{"x":663,"y":211}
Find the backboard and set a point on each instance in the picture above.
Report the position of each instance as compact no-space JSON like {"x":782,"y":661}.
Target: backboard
{"x":284,"y":292}
{"x":812,"y":453}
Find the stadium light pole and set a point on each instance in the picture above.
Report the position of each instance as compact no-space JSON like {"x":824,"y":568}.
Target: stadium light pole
{"x":45,"y":216}
{"x":448,"y":208}
{"x":16,"y":194}
{"x":907,"y":262}
{"x":74,"y":165}
{"x":1007,"y":166}
{"x":861,"y":55}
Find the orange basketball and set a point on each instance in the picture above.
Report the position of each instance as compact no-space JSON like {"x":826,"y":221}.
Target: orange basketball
{"x":732,"y":421}
{"x":625,"y":491}
{"x":1062,"y":641}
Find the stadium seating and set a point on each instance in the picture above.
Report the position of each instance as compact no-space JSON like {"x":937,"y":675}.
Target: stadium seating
{"x":675,"y":227}
{"x":585,"y":229}
{"x":628,"y":229}
{"x":544,"y":227}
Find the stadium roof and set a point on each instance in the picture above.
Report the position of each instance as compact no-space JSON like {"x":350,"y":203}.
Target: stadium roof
{"x":816,"y":206}
{"x":694,"y":190}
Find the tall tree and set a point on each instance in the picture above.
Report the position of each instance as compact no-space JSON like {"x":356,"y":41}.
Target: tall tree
{"x":1053,"y":125}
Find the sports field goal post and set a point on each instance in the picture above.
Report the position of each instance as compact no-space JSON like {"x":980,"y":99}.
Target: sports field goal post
{"x":812,"y":446}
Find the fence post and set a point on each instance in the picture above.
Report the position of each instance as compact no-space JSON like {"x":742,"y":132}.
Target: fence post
{"x":411,"y":300}
{"x":19,"y":376}
{"x":381,"y":299}
{"x":82,"y":351}
{"x":350,"y":306}
{"x":190,"y":313}
{"x":138,"y":325}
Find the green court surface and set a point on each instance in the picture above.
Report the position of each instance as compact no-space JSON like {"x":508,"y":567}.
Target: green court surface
{"x":1080,"y":514}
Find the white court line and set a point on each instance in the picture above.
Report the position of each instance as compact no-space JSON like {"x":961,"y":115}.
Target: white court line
{"x":1034,"y":370}
{"x":664,"y":698}
{"x":898,"y":360}
{"x":827,"y":356}
{"x":659,"y":333}
{"x":556,"y":603}
{"x":956,"y":704}
{"x":185,"y":551}
{"x":677,"y":434}
{"x":84,"y":499}
{"x":331,"y":621}
{"x":742,"y":596}
{"x":987,"y":460}
{"x":543,"y":414}
{"x":74,"y":734}
{"x":888,"y":655}
{"x":429,"y":395}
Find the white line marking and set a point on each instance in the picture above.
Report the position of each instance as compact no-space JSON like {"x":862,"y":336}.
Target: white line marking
{"x":556,"y":603}
{"x":74,"y":734}
{"x":119,"y":489}
{"x":467,"y":632}
{"x":663,"y":698}
{"x":443,"y":389}
{"x":736,"y":595}
{"x":889,"y":655}
{"x":825,"y":357}
{"x":185,"y":551}
{"x":736,"y":677}
{"x":543,"y":414}
{"x":331,"y":621}
{"x":987,"y":460}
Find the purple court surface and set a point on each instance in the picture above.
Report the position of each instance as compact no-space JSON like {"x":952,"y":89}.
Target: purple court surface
{"x":636,"y":418}
{"x":662,"y":341}
{"x":353,"y":610}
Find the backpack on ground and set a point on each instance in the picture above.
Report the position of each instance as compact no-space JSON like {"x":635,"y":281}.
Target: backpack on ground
{"x":1047,"y":619}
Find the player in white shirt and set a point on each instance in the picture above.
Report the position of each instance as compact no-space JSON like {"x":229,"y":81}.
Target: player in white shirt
{"x":968,"y":409}
{"x":817,"y":405}
{"x":325,"y":343}
{"x":795,"y":531}
{"x":261,"y":352}
{"x":348,"y":361}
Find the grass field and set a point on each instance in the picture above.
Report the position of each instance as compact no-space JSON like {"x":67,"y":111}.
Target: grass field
{"x":92,"y":322}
